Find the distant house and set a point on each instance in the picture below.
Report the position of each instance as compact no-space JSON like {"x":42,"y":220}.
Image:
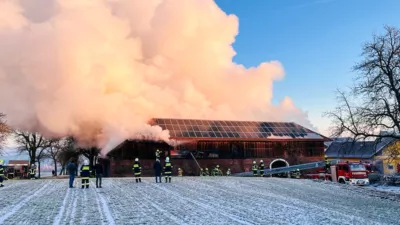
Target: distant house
{"x":376,"y":152}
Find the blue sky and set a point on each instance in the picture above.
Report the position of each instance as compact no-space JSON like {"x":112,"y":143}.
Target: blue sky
{"x":317,"y":41}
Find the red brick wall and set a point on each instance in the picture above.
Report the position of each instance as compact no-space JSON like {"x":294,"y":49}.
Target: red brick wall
{"x":124,"y":167}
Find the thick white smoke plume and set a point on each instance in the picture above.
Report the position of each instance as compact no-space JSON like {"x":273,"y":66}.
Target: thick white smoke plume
{"x":100,"y":69}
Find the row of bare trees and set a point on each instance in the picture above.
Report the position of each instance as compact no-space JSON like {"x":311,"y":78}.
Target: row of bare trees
{"x":58,"y":150}
{"x":39,"y":148}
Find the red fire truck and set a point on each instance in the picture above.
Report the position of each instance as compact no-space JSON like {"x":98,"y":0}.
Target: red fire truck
{"x":344,"y":172}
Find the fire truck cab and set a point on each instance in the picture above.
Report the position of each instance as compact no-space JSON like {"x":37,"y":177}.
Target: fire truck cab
{"x":351,"y":173}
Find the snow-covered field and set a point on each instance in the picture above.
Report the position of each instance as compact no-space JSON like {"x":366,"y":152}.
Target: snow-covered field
{"x":196,"y":200}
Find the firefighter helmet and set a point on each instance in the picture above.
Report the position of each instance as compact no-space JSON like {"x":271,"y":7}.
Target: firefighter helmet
{"x":136,"y":160}
{"x":86,"y":162}
{"x":1,"y":162}
{"x":217,"y":166}
{"x":261,"y":161}
{"x":167,"y":159}
{"x":254,"y":162}
{"x":32,"y":165}
{"x":206,"y":168}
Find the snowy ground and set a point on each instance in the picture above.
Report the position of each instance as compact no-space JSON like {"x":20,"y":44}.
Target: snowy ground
{"x":196,"y":200}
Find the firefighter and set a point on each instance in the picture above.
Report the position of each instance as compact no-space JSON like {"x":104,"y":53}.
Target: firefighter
{"x":201,"y":172}
{"x":297,"y":174}
{"x":1,"y":172}
{"x":228,"y":172}
{"x":158,"y":153}
{"x":137,"y":171}
{"x":85,"y":174}
{"x":167,"y":170}
{"x":206,"y":172}
{"x":261,"y":167}
{"x":255,"y":169}
{"x":216,"y":171}
{"x":327,"y":164}
{"x":180,"y":172}
{"x":32,"y":172}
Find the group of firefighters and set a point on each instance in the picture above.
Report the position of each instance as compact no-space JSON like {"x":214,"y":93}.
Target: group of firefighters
{"x":31,"y":172}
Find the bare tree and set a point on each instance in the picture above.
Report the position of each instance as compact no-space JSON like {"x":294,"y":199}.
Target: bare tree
{"x":372,"y":105}
{"x":34,"y":144}
{"x":4,"y":130}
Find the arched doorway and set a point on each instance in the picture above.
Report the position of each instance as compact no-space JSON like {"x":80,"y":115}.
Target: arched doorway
{"x":278,"y":163}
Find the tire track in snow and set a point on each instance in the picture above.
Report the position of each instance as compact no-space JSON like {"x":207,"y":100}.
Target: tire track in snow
{"x":310,"y":205}
{"x":84,"y":212}
{"x":160,"y":209}
{"x":74,"y":204}
{"x":205,"y":206}
{"x":103,"y":208}
{"x":281,"y":200}
{"x":60,"y":214}
{"x":13,"y":197}
{"x":207,"y":194}
{"x":20,"y":204}
{"x":189,"y":214}
{"x":67,"y":213}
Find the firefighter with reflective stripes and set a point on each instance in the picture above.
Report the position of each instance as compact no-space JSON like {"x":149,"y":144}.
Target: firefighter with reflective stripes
{"x":206,"y":172}
{"x":168,"y":170}
{"x":1,"y":172}
{"x":85,"y":174}
{"x":254,"y":167}
{"x":137,"y":171}
{"x":32,"y":172}
{"x":327,"y":164}
{"x":261,"y":167}
{"x":158,"y":153}
{"x":216,"y":171}
{"x":228,"y":172}
{"x":180,"y":172}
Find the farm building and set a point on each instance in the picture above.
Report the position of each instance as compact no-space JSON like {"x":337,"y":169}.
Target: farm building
{"x":229,"y":144}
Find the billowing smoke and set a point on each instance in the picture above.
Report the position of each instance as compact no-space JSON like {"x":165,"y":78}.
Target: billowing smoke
{"x":100,"y":69}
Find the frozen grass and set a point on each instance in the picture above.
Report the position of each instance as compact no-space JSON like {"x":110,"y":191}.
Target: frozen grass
{"x":196,"y":200}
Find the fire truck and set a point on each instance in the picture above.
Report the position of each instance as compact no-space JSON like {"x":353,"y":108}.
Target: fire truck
{"x":345,"y":173}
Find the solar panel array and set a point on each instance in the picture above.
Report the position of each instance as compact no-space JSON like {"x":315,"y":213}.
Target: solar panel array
{"x":184,"y":128}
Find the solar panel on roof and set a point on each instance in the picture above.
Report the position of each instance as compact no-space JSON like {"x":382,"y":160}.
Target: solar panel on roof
{"x":230,"y":129}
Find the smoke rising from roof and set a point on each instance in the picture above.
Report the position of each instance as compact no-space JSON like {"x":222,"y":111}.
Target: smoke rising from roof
{"x":99,"y":70}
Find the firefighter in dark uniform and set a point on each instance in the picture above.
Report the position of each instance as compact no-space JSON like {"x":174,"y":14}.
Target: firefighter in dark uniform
{"x":158,"y":153}
{"x":137,"y":171}
{"x":216,"y":171}
{"x":167,"y":170}
{"x":32,"y":172}
{"x":228,"y":172}
{"x":206,"y":172}
{"x":261,"y":167}
{"x":327,"y":164}
{"x":85,"y":174}
{"x":201,"y":172}
{"x":1,"y":172}
{"x":255,"y":169}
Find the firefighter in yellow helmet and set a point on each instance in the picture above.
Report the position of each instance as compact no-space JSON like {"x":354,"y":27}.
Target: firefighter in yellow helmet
{"x":206,"y":172}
